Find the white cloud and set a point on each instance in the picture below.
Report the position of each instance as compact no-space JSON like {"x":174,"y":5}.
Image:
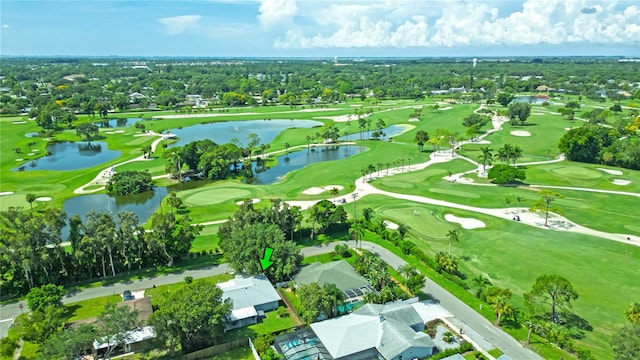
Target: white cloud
{"x":451,"y":23}
{"x":178,"y":24}
{"x":276,"y":12}
{"x":6,"y":26}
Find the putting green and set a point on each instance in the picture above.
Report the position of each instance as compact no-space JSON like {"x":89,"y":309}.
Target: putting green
{"x":46,"y":189}
{"x":578,"y":172}
{"x":422,"y":220}
{"x":201,"y":197}
{"x":14,"y":200}
{"x":398,"y":184}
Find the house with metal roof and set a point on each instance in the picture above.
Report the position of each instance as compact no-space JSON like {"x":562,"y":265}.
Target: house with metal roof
{"x":339,"y":273}
{"x":386,"y":332}
{"x":251,"y":297}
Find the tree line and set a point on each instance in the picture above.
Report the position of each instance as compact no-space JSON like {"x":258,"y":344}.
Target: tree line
{"x":101,"y":246}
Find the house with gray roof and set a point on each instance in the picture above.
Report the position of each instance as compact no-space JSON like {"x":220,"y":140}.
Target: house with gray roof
{"x":251,"y":297}
{"x":340,"y":273}
{"x":392,"y":332}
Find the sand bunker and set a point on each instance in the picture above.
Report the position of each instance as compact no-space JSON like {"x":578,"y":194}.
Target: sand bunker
{"x":6,"y":193}
{"x":43,"y":198}
{"x":316,"y":110}
{"x":115,"y":132}
{"x":254,"y":200}
{"x":343,"y":118}
{"x":18,"y":122}
{"x":319,"y":190}
{"x":414,"y":120}
{"x":520,"y":133}
{"x":466,"y":223}
{"x":612,"y":172}
{"x":446,"y":108}
{"x":620,"y":182}
{"x":537,"y":113}
{"x":390,"y":225}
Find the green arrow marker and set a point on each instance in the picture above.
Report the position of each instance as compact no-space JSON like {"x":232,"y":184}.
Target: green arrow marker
{"x":266,"y":262}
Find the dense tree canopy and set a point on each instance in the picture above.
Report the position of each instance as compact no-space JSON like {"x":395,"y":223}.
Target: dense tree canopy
{"x":130,"y":182}
{"x":553,"y":294}
{"x":193,"y":316}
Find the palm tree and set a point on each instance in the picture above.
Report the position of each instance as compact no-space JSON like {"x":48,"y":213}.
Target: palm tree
{"x":407,"y":270}
{"x":356,"y":232}
{"x":286,"y":146}
{"x":504,"y":154}
{"x":403,"y":229}
{"x":308,"y":142}
{"x":501,"y":306}
{"x":507,"y":200}
{"x":334,"y":192}
{"x":371,"y":169}
{"x":30,"y":199}
{"x":486,"y":157}
{"x":519,"y":199}
{"x":367,"y":214}
{"x":480,"y":283}
{"x":454,"y":236}
{"x":335,"y":297}
{"x":421,"y":138}
{"x":174,"y":201}
{"x":516,"y":153}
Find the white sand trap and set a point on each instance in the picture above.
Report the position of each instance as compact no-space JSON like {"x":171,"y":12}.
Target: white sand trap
{"x":254,"y":200}
{"x":537,"y":114}
{"x":319,"y":190}
{"x":414,"y":120}
{"x":43,"y":198}
{"x":21,"y":159}
{"x":36,"y":150}
{"x":612,"y":172}
{"x":31,"y":154}
{"x":6,"y":193}
{"x":620,"y":182}
{"x":343,"y":118}
{"x":520,"y":133}
{"x":467,"y":223}
{"x":446,"y":108}
{"x":316,"y":110}
{"x":18,"y":122}
{"x":115,"y":132}
{"x":390,"y":225}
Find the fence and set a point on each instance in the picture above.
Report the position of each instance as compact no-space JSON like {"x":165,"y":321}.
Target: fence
{"x":216,"y":350}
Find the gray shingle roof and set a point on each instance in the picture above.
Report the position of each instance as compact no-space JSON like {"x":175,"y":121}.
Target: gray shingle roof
{"x":383,"y":327}
{"x":339,"y":273}
{"x":251,"y":291}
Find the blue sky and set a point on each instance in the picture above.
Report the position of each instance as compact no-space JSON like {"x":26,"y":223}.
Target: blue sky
{"x":320,"y":28}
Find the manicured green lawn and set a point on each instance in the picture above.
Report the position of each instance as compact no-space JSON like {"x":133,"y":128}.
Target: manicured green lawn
{"x":512,"y":255}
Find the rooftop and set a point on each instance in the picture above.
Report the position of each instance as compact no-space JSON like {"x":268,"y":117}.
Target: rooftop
{"x":339,"y":273}
{"x":249,"y":292}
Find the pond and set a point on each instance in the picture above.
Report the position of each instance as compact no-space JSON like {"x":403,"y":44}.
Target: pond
{"x":224,"y":132}
{"x":71,"y":156}
{"x":143,"y":205}
{"x":122,"y":122}
{"x":300,"y":159}
{"x":390,"y":131}
{"x":529,"y":99}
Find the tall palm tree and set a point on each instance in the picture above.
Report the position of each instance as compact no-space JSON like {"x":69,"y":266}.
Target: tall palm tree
{"x":486,"y":158}
{"x":286,"y":147}
{"x":516,"y":153}
{"x":519,"y":200}
{"x":480,"y":283}
{"x":335,"y":297}
{"x":334,"y":192}
{"x":454,"y":236}
{"x":30,"y":199}
{"x":356,"y":232}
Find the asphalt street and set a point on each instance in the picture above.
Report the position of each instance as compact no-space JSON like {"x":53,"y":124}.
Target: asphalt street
{"x":465,"y":316}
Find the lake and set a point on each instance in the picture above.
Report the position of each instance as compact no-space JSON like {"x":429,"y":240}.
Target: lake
{"x":224,"y":132}
{"x":112,"y":123}
{"x":72,"y":156}
{"x":299,"y":159}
